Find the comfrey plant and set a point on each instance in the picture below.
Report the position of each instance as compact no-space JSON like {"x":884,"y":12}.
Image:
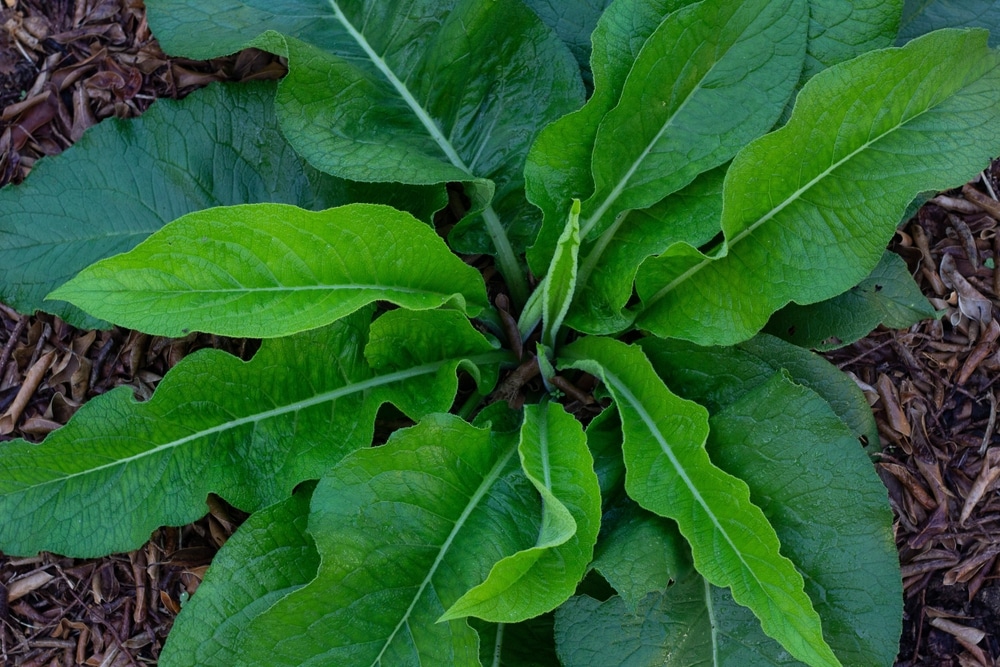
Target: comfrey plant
{"x":655,"y":179}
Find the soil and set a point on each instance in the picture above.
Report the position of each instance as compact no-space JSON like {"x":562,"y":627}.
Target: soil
{"x":67,"y":64}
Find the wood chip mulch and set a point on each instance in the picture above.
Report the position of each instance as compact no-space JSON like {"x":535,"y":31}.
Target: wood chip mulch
{"x":65,"y":65}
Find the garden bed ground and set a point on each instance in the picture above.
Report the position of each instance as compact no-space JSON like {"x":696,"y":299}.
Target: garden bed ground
{"x":66,"y":64}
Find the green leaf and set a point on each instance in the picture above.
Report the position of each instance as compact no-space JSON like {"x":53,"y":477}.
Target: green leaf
{"x":123,"y":180}
{"x":604,"y":439}
{"x":558,"y":165}
{"x":671,"y":629}
{"x":560,"y":281}
{"x":267,"y":558}
{"x":839,"y":31}
{"x":269,"y":270}
{"x":887,"y":296}
{"x":554,"y":456}
{"x":574,"y":21}
{"x":691,"y":215}
{"x":716,"y":377}
{"x":251,"y":431}
{"x":923,"y":16}
{"x":809,"y":208}
{"x":670,"y":473}
{"x":804,"y":469}
{"x":820,"y":492}
{"x":403,"y":531}
{"x":371,"y":93}
{"x":639,"y":552}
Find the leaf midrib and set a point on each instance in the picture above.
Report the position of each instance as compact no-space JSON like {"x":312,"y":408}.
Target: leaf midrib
{"x":325,"y":397}
{"x":481,"y":491}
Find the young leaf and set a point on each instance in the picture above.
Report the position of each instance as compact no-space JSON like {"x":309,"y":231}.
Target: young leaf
{"x":924,"y":16}
{"x":371,"y":93}
{"x":251,"y":432}
{"x":554,"y":456}
{"x":669,"y":472}
{"x":270,"y":270}
{"x":887,"y":296}
{"x":558,"y":165}
{"x":267,"y":558}
{"x":560,"y":281}
{"x":719,"y":376}
{"x":815,"y":202}
{"x":403,"y":531}
{"x":123,"y":180}
{"x":703,"y":85}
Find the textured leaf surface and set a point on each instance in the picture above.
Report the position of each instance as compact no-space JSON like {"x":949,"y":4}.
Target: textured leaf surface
{"x":555,"y":458}
{"x":574,"y":21}
{"x":669,"y":472}
{"x":809,"y":208}
{"x":804,"y":468}
{"x":403,"y":531}
{"x":267,"y":558}
{"x":251,"y":431}
{"x":639,"y":552}
{"x":526,"y":644}
{"x":923,"y":16}
{"x":270,"y":270}
{"x":716,"y":377}
{"x":125,"y":179}
{"x":888,"y":296}
{"x":839,"y":30}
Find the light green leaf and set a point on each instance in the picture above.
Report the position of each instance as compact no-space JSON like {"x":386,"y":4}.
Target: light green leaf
{"x":923,"y":16}
{"x":887,"y":296}
{"x":841,"y":30}
{"x":639,"y":552}
{"x":560,"y":281}
{"x":267,"y":558}
{"x":716,"y":377}
{"x":403,"y":531}
{"x":670,"y":473}
{"x":809,"y":208}
{"x":371,"y":93}
{"x":125,"y":179}
{"x":251,"y":432}
{"x":554,"y":456}
{"x":691,"y":215}
{"x":270,"y":270}
{"x":558,"y":165}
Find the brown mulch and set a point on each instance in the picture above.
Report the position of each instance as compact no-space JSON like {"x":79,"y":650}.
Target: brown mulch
{"x":65,"y":65}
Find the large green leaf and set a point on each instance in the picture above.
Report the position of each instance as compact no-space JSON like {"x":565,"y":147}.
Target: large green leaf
{"x":123,"y":180}
{"x":708,"y":79}
{"x":669,"y":472}
{"x":250,"y":432}
{"x":574,"y":21}
{"x":804,"y":469}
{"x":923,"y":16}
{"x":554,"y":455}
{"x":809,"y":208}
{"x":412,"y":91}
{"x":719,"y":376}
{"x":267,"y":558}
{"x":887,"y":296}
{"x":266,"y":270}
{"x":403,"y":531}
